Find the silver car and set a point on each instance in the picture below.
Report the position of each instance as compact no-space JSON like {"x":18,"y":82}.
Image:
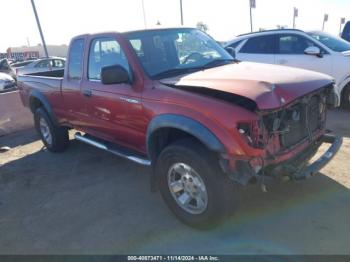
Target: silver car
{"x":42,"y":65}
{"x":6,"y":82}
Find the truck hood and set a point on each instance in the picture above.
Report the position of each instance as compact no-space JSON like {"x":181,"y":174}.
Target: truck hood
{"x":268,"y":86}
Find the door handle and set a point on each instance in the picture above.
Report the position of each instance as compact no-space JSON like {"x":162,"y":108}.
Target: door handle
{"x":87,"y":92}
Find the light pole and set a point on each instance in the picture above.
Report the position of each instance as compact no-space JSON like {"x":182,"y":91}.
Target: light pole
{"x":252,"y":4}
{"x":295,"y":15}
{"x":182,"y":17}
{"x":325,"y":19}
{"x":39,"y":27}
{"x":144,"y":14}
{"x":342,"y":21}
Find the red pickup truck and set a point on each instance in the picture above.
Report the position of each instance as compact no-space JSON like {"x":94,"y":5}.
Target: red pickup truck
{"x":175,"y":100}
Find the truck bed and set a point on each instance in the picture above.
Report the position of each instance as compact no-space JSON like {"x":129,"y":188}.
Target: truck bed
{"x":51,"y":79}
{"x":45,"y":82}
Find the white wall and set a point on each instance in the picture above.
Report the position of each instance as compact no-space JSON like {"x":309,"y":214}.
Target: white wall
{"x":13,"y":115}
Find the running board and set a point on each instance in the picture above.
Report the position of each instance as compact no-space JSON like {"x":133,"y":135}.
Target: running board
{"x":112,"y":149}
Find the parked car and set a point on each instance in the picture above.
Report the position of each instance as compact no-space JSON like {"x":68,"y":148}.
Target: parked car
{"x":6,"y":68}
{"x":22,"y":63}
{"x":6,"y":82}
{"x":317,"y":51}
{"x":175,"y":100}
{"x":346,"y":32}
{"x":41,"y":65}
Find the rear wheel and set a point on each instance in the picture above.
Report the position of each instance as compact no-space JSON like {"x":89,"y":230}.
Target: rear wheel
{"x":193,"y":186}
{"x":54,"y":137}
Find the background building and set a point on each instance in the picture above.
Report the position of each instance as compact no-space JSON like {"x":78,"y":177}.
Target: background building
{"x":27,"y":52}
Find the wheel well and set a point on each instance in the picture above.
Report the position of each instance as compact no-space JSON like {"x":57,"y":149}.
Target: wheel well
{"x":35,"y":103}
{"x":164,"y":137}
{"x":343,"y":89}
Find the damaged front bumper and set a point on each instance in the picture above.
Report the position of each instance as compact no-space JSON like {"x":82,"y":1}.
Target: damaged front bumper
{"x":296,"y":168}
{"x":311,"y":169}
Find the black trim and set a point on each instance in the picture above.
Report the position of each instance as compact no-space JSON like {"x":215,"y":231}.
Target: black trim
{"x":187,"y":125}
{"x":312,"y":169}
{"x":36,"y":94}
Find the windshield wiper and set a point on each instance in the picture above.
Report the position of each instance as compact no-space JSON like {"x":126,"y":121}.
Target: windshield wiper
{"x":175,"y":71}
{"x":179,"y":71}
{"x":218,"y":62}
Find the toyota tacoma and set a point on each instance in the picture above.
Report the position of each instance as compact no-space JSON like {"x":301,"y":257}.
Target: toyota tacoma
{"x":175,"y":100}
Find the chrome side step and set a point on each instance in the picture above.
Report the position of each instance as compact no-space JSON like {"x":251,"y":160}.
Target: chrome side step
{"x":114,"y":150}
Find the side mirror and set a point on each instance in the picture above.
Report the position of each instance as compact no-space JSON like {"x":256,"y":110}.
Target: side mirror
{"x":313,"y":50}
{"x":231,"y":51}
{"x":115,"y":74}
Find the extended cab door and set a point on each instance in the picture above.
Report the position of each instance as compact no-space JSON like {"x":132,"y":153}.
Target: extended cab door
{"x":258,"y":49}
{"x":74,"y":110}
{"x":290,"y":52}
{"x":115,"y":110}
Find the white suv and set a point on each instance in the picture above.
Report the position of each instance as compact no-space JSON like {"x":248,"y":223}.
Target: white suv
{"x":315,"y":51}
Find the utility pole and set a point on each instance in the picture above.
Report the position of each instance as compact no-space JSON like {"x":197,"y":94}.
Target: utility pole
{"x":342,"y":21}
{"x":39,"y":27}
{"x":325,"y":19}
{"x":252,"y":4}
{"x":295,"y":15}
{"x":182,"y":17}
{"x":144,"y":14}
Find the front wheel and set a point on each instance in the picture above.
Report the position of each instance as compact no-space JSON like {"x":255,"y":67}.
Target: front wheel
{"x":193,"y":186}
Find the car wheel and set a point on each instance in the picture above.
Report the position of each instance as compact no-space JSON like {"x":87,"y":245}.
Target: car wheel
{"x":345,"y":103}
{"x":55,"y":138}
{"x":193,"y":186}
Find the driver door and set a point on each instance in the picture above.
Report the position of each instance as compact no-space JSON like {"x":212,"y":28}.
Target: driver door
{"x":115,"y":110}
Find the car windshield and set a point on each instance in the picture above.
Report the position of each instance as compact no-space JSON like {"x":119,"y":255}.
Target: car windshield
{"x":167,"y":52}
{"x":335,"y":43}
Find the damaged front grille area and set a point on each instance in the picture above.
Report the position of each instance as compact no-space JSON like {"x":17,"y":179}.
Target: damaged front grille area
{"x":298,"y":121}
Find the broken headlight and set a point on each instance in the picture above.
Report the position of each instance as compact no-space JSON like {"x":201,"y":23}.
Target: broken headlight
{"x":252,"y":132}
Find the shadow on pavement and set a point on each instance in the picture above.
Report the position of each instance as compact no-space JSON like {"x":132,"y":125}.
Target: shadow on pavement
{"x":338,"y":121}
{"x":19,"y":138}
{"x":87,"y":201}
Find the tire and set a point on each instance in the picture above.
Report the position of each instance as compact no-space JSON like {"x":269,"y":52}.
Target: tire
{"x":220,"y":192}
{"x":55,"y":138}
{"x":345,"y":99}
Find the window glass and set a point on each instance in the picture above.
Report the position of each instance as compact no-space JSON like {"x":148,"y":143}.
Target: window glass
{"x":259,"y":45}
{"x":58,"y":63}
{"x":335,"y":43}
{"x":191,"y":44}
{"x":105,"y":52}
{"x":76,"y":59}
{"x":175,"y":50}
{"x":137,"y":45}
{"x":234,"y":45}
{"x":293,"y":44}
{"x":43,"y":64}
{"x":346,"y":32}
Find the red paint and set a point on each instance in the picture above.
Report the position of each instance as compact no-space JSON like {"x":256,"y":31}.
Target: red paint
{"x":106,"y":116}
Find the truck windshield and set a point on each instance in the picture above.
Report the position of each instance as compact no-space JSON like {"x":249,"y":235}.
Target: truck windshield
{"x":335,"y":43}
{"x":169,"y":52}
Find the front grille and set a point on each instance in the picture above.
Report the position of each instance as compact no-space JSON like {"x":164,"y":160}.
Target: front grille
{"x":301,"y":119}
{"x":298,"y":121}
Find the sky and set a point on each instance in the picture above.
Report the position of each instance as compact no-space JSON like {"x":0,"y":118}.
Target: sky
{"x":63,"y":19}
